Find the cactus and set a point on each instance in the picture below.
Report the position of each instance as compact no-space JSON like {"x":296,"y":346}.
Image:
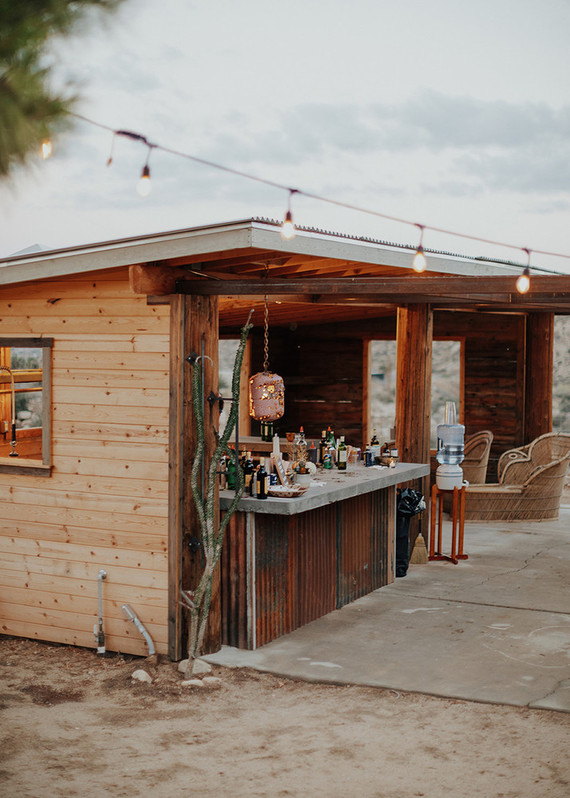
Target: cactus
{"x":212,"y":535}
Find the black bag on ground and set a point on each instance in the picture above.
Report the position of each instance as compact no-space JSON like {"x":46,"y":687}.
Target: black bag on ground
{"x":410,"y":502}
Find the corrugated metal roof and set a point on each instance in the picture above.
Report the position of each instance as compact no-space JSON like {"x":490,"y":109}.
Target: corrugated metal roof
{"x":242,"y":234}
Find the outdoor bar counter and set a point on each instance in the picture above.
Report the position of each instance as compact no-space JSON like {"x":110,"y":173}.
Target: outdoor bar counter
{"x":288,"y":561}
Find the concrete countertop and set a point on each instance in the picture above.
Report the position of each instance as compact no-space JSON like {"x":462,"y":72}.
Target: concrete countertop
{"x":338,"y":486}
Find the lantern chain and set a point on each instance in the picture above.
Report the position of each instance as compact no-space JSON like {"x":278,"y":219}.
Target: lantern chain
{"x":266,"y":328}
{"x":266,"y":338}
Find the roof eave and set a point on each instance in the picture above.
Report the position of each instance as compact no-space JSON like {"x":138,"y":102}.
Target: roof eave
{"x":235,"y":235}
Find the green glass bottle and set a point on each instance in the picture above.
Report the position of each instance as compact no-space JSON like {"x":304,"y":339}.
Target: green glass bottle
{"x":231,"y":472}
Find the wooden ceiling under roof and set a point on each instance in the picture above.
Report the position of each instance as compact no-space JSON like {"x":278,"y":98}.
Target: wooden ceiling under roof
{"x":304,"y":289}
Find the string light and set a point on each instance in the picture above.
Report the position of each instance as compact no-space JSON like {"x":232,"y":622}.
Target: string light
{"x":419,"y":263}
{"x":46,"y":149}
{"x":143,"y":186}
{"x":310,"y":195}
{"x":288,"y":228}
{"x":523,"y":280}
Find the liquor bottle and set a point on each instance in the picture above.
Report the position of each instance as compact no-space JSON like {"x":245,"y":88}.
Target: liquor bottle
{"x":374,"y":440}
{"x":266,"y":430}
{"x":342,"y":454}
{"x":248,"y":471}
{"x":301,"y":446}
{"x":231,"y":472}
{"x":322,"y":447}
{"x":313,"y":453}
{"x":223,"y":472}
{"x":261,"y":477}
{"x":330,"y":436}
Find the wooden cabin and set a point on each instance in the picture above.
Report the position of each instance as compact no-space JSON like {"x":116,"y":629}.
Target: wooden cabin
{"x":96,"y":339}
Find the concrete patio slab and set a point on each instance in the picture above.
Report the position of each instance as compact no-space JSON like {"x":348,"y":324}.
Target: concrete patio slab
{"x":493,"y":628}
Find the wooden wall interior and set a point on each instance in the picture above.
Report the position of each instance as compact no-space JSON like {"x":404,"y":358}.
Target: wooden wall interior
{"x":29,"y":441}
{"x":323,"y":368}
{"x":105,"y":505}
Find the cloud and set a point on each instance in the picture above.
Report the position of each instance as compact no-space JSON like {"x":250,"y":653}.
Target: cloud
{"x":437,"y":121}
{"x":528,"y":169}
{"x":494,"y":144}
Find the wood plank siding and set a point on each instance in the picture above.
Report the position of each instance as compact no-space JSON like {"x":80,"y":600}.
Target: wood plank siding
{"x":105,"y":503}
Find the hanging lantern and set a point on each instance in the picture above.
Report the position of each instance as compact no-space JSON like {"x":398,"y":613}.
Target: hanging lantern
{"x":266,"y":396}
{"x":266,"y":390}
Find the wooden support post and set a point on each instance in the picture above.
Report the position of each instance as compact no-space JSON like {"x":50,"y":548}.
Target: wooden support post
{"x":538,"y":375}
{"x":194,"y":328}
{"x":201,"y":336}
{"x":176,"y":472}
{"x":414,"y":335}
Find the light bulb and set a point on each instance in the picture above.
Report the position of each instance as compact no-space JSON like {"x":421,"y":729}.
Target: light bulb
{"x":419,"y":263}
{"x":46,"y":149}
{"x":523,"y":281}
{"x":288,"y":228}
{"x":143,"y":187}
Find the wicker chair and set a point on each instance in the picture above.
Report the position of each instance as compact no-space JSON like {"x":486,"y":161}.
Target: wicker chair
{"x":476,"y":451}
{"x":530,"y":483}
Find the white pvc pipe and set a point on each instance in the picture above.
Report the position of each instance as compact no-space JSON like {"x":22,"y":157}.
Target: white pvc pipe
{"x":132,"y":616}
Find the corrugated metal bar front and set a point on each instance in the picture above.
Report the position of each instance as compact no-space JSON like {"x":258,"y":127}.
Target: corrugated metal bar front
{"x":354,"y":548}
{"x":365,"y":544}
{"x":274,"y":570}
{"x":234,"y":583}
{"x":297,"y":568}
{"x":382,"y":537}
{"x":314,"y":540}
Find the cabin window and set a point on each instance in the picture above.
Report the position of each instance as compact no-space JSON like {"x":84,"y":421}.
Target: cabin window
{"x":446,"y":385}
{"x":227,"y":349}
{"x":25,"y":403}
{"x":382,"y":388}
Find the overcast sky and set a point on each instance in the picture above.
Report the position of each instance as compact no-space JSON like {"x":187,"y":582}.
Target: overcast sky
{"x":447,"y":113}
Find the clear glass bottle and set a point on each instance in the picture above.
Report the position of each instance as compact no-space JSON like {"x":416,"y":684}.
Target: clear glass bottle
{"x":341,"y":455}
{"x":322,"y":447}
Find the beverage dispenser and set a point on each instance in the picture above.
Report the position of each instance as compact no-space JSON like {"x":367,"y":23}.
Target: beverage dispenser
{"x":450,"y":452}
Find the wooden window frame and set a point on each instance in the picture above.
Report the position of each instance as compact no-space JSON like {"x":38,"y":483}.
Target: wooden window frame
{"x":33,"y":466}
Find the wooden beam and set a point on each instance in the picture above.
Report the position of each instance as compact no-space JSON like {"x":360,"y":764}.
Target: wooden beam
{"x":483,"y":288}
{"x":414,"y":337}
{"x":539,"y":375}
{"x":157,"y":280}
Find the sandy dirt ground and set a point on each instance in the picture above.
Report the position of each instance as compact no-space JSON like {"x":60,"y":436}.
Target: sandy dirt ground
{"x":76,"y":724}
